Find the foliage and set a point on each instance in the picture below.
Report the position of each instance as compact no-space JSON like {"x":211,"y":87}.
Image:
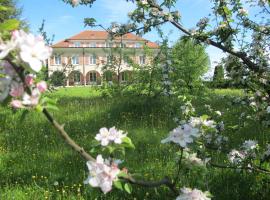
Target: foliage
{"x":58,"y":78}
{"x":218,"y":78}
{"x":190,"y":62}
{"x":10,"y":14}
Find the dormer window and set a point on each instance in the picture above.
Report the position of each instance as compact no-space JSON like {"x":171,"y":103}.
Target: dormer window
{"x":77,"y":44}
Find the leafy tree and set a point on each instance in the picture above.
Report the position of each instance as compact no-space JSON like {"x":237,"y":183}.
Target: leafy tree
{"x":58,"y":78}
{"x":10,"y":14}
{"x":190,"y":62}
{"x":218,"y":78}
{"x":44,"y":74}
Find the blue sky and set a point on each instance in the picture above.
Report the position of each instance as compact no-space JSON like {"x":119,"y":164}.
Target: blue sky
{"x":65,"y":21}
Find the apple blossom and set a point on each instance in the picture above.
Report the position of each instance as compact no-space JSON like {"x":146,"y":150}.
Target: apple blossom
{"x":5,"y":48}
{"x":4,"y":87}
{"x":268,"y":109}
{"x":243,"y":11}
{"x":16,"y":104}
{"x":267,"y":152}
{"x":75,"y":2}
{"x":29,"y":79}
{"x":116,"y":136}
{"x":17,"y":89}
{"x":236,"y":157}
{"x":33,"y":51}
{"x":106,"y":136}
{"x":194,"y":160}
{"x":192,"y":194}
{"x":249,"y":145}
{"x":101,"y":174}
{"x":182,"y":135}
{"x":32,"y":100}
{"x":42,"y":86}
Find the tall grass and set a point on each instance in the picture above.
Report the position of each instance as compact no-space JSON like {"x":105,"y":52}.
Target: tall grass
{"x":36,"y":164}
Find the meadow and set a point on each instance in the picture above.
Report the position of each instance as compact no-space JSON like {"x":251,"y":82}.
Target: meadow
{"x":36,"y":164}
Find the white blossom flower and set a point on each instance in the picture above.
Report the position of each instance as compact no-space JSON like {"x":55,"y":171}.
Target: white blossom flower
{"x":268,"y":109}
{"x":5,"y":48}
{"x":106,"y":136}
{"x":192,"y":194}
{"x":144,"y":2}
{"x":103,"y":136}
{"x":193,"y":159}
{"x":218,"y":113}
{"x":236,"y":157}
{"x":32,"y":100}
{"x":267,"y":152}
{"x":182,"y":135}
{"x":101,"y":174}
{"x":34,"y":51}
{"x":75,"y":2}
{"x":243,"y":11}
{"x":249,"y":145}
{"x":116,"y":136}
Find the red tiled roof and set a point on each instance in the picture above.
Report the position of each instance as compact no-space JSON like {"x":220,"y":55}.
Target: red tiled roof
{"x":101,"y":35}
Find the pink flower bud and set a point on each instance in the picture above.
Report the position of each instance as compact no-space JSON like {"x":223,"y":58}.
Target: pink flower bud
{"x":42,"y":86}
{"x":17,"y":89}
{"x":75,"y":2}
{"x":16,"y":104}
{"x":29,"y":80}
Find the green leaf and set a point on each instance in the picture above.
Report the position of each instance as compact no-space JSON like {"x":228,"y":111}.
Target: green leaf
{"x":9,"y":25}
{"x":126,"y":142}
{"x":4,"y":8}
{"x":204,"y":117}
{"x":48,"y":100}
{"x":122,"y":175}
{"x":118,"y":185}
{"x":128,"y":188}
{"x":52,"y":107}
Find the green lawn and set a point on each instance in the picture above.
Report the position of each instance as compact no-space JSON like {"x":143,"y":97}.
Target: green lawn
{"x":36,"y":164}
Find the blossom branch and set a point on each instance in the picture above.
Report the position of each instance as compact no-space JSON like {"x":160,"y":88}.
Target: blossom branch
{"x":255,"y":168}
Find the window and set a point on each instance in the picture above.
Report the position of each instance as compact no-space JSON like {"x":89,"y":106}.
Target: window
{"x":93,"y":77}
{"x":125,"y":59}
{"x":75,"y":60}
{"x":92,"y":44}
{"x":102,"y":44}
{"x":138,"y":45}
{"x":109,"y":59}
{"x":77,"y":77}
{"x":92,"y":60}
{"x":124,"y":76}
{"x":57,"y":60}
{"x":142,"y":60}
{"x":109,"y":44}
{"x":77,"y":44}
{"x":108,"y":75}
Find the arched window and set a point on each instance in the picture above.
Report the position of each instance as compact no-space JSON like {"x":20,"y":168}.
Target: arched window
{"x":77,"y":77}
{"x":108,"y":75}
{"x":93,"y":77}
